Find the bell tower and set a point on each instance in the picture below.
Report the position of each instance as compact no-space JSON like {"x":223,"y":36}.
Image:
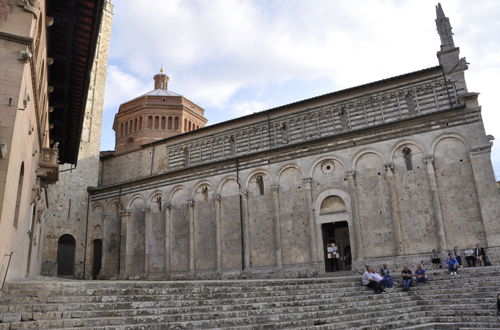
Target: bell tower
{"x":161,"y":80}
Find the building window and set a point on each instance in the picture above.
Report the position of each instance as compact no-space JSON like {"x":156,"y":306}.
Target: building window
{"x":121,"y":129}
{"x":163,"y":123}
{"x":19,"y":195}
{"x":176,"y":123}
{"x":157,"y":122}
{"x":135,"y":124}
{"x":126,"y":127}
{"x":185,"y":125}
{"x":407,"y":157}
{"x":186,"y":156}
{"x":260,"y":183}
{"x":150,"y":122}
{"x":140,"y":122}
{"x":410,"y":102}
{"x":169,"y":123}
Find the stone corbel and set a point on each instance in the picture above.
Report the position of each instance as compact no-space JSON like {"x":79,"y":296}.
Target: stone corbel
{"x":480,"y":151}
{"x":33,"y":6}
{"x":350,"y":174}
{"x":275,"y":187}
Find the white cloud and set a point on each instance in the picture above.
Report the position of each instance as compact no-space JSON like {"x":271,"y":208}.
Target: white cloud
{"x":246,"y":108}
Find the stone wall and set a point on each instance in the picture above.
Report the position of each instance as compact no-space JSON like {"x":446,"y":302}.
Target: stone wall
{"x":69,"y":210}
{"x":401,"y":196}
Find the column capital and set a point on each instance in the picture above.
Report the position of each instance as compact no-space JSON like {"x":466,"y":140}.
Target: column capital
{"x":146,"y":210}
{"x":429,"y":159}
{"x":307,"y":180}
{"x":168,"y":205}
{"x":190,"y":203}
{"x":389,"y":167}
{"x":217,"y":197}
{"x":350,"y":174}
{"x":244,"y":193}
{"x":125,"y":213}
{"x":275,"y":187}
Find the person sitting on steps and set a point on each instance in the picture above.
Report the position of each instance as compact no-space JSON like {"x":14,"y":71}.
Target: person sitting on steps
{"x":388,"y":281}
{"x":469,"y":257}
{"x":420,"y":275}
{"x":458,"y":255}
{"x":452,"y":264}
{"x":479,"y":254}
{"x":406,"y":276}
{"x":368,"y":281}
{"x":378,"y":278}
{"x":435,"y":259}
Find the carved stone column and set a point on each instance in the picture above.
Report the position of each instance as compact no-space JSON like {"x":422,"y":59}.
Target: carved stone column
{"x":147,"y":238}
{"x":277,"y":226}
{"x":396,"y":219}
{"x":190,"y":204}
{"x":356,"y":221}
{"x":168,"y":235}
{"x":105,"y":267}
{"x":124,"y":222}
{"x":436,"y":205}
{"x":487,"y":192}
{"x":218,"y":244}
{"x":312,"y":223}
{"x":245,"y":230}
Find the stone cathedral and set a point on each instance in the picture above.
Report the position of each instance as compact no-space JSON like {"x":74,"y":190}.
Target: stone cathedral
{"x":386,"y":171}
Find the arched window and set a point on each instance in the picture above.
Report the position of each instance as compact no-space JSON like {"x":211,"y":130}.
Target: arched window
{"x":185,"y":125}
{"x":407,"y":157}
{"x":343,"y":119}
{"x":121,"y":129}
{"x":150,"y":122}
{"x":135,"y":124}
{"x":157,"y":122}
{"x":186,"y":156}
{"x":232,"y":145}
{"x":410,"y":102}
{"x":140,"y":122}
{"x":19,"y":195}
{"x":260,"y":183}
{"x":169,"y":126}
{"x":176,"y":123}
{"x":163,"y":123}
{"x":126,"y":127}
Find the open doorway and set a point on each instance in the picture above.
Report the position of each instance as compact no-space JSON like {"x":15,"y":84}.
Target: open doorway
{"x":66,"y":256}
{"x":97,"y":260}
{"x":336,"y":246}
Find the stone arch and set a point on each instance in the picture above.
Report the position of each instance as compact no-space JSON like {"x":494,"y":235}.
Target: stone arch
{"x":223,"y":181}
{"x":446,"y":136}
{"x":457,"y":192}
{"x":340,"y":215}
{"x":134,"y":199}
{"x":286,"y":167}
{"x":66,"y":255}
{"x":261,"y":219}
{"x":327,"y":172}
{"x":318,"y":161}
{"x":332,"y":204}
{"x":205,"y":226}
{"x":364,"y":153}
{"x":135,"y":249}
{"x":374,"y":205}
{"x":153,"y":201}
{"x":230,"y":223}
{"x":176,"y":190}
{"x":255,"y":172}
{"x":179,"y":223}
{"x":410,"y":186}
{"x":294,"y":216}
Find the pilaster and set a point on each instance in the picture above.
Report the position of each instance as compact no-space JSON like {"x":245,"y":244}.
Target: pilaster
{"x":396,"y":220}
{"x":190,"y":204}
{"x":312,"y":223}
{"x":358,"y":252}
{"x":218,"y":245}
{"x":124,"y":223}
{"x":436,"y":204}
{"x":245,"y":230}
{"x":277,"y":226}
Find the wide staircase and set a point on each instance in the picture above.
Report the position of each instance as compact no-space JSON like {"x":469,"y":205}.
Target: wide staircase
{"x":467,"y":301}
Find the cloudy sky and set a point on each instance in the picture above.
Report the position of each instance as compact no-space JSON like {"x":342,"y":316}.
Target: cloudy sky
{"x":235,"y":57}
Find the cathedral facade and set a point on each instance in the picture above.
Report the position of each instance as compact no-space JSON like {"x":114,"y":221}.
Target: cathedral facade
{"x":378,"y":173}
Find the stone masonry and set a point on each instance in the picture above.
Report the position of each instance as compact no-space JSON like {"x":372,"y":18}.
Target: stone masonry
{"x":68,"y":211}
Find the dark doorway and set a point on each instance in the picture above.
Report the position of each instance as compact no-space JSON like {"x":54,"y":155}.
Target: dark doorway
{"x":336,"y":246}
{"x":96,"y":267}
{"x":66,"y":255}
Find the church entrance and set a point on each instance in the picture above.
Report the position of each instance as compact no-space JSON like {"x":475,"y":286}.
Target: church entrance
{"x":336,"y":246}
{"x":66,"y":255}
{"x":97,"y":260}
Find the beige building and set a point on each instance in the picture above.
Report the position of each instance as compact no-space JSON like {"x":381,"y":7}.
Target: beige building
{"x":382,"y":172}
{"x":43,"y":88}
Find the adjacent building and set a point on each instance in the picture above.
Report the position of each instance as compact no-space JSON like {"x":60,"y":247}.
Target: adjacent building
{"x":46,"y":50}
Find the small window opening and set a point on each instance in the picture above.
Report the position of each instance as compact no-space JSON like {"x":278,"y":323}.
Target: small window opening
{"x":186,"y":156}
{"x":232,"y":145}
{"x":158,"y":201}
{"x":204,"y":191}
{"x":410,"y":102}
{"x":407,"y":157}
{"x":260,"y":184}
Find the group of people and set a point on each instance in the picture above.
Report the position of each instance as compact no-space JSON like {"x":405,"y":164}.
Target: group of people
{"x":455,"y":260}
{"x":380,"y":282}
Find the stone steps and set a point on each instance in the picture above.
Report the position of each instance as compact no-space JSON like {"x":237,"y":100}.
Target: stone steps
{"x":447,"y":302}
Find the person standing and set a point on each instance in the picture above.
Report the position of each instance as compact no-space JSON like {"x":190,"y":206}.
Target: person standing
{"x":479,"y":254}
{"x":469,"y":257}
